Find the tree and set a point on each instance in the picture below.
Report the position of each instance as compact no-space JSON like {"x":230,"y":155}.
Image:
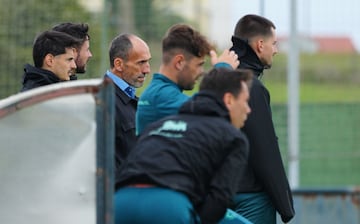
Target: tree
{"x":152,"y":22}
{"x":20,"y":22}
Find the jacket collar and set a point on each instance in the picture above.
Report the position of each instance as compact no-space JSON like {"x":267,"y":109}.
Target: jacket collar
{"x":124,"y":97}
{"x":247,"y":56}
{"x":39,"y":75}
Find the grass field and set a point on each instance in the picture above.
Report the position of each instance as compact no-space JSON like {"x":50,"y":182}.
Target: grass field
{"x":329,"y":136}
{"x":329,"y":131}
{"x":308,"y":92}
{"x":316,"y":93}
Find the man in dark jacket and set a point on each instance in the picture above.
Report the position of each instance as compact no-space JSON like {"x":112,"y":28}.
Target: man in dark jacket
{"x":129,"y":64}
{"x":54,"y":59}
{"x":267,"y":189}
{"x":188,"y":166}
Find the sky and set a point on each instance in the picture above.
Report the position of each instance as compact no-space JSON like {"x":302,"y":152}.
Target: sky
{"x":314,"y":17}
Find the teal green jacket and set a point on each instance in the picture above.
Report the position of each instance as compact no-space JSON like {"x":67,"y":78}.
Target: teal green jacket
{"x":161,"y":98}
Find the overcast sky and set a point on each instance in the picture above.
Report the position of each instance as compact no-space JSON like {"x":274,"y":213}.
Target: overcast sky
{"x":315,"y":17}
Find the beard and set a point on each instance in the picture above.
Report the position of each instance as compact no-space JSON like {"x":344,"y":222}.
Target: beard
{"x":187,"y":85}
{"x":80,"y":69}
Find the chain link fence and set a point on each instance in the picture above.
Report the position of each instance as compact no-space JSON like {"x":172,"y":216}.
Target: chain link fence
{"x":329,"y":143}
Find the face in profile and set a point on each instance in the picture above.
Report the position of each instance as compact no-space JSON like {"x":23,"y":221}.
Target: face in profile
{"x":269,"y":49}
{"x":137,"y":66}
{"x":193,"y":69}
{"x":239,"y":107}
{"x":83,"y":56}
{"x":63,"y":65}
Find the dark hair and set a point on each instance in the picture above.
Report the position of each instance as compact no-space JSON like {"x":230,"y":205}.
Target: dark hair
{"x":51,"y":42}
{"x":77,"y":30}
{"x":223,"y":80}
{"x":184,"y":38}
{"x":250,"y":26}
{"x":119,"y":48}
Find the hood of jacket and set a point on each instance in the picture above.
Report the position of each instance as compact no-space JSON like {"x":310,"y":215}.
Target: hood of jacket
{"x":205,"y":103}
{"x":247,"y":57}
{"x":39,"y":76}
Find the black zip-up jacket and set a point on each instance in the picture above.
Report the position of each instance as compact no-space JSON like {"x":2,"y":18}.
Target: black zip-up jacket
{"x":266,"y":171}
{"x":35,"y":77}
{"x":197,"y":152}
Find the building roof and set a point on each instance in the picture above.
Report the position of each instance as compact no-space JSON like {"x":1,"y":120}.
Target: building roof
{"x":329,"y":44}
{"x":321,"y":44}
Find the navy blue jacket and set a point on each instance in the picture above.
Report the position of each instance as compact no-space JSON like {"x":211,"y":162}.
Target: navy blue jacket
{"x":197,"y":152}
{"x":125,"y":137}
{"x":266,"y":171}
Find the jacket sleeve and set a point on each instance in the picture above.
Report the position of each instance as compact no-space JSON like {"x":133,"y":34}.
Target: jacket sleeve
{"x":265,"y":158}
{"x":224,"y":183}
{"x":211,"y":211}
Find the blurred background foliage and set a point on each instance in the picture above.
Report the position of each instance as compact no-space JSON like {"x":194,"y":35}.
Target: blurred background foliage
{"x":21,"y":21}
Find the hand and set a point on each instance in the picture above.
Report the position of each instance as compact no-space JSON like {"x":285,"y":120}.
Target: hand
{"x":229,"y":57}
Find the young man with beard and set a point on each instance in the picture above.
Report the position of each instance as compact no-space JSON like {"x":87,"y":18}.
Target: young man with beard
{"x":183,"y":57}
{"x":79,"y":31}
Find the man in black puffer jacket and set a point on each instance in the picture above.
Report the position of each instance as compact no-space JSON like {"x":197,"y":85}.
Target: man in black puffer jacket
{"x":187,"y":167}
{"x":54,"y":56}
{"x":267,"y":189}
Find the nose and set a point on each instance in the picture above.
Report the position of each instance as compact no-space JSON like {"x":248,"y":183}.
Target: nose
{"x":90,"y":54}
{"x":73,"y":64}
{"x":248,"y":109}
{"x":275,"y":49}
{"x":201,"y":70}
{"x":146,"y":68}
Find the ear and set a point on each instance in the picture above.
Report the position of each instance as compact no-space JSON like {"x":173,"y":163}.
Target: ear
{"x":76,"y":52}
{"x":48,"y":61}
{"x":260,"y":45}
{"x":228,"y":99}
{"x":179,"y":61}
{"x":119,"y":64}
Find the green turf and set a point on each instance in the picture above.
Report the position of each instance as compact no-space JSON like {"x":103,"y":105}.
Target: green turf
{"x":329,"y":142}
{"x":316,"y":93}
